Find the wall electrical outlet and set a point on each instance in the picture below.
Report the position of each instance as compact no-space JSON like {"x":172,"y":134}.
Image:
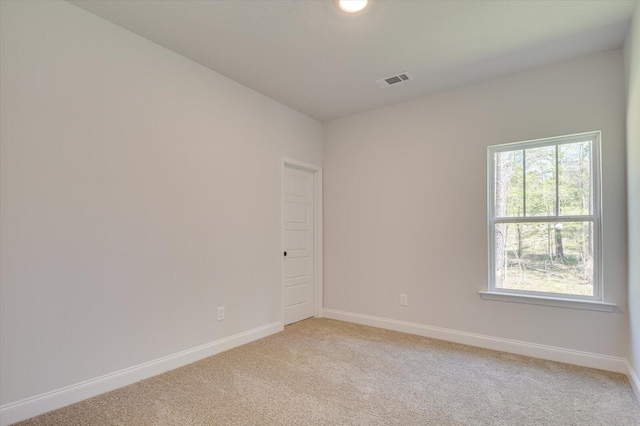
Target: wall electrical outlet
{"x":221,"y":313}
{"x":403,"y":300}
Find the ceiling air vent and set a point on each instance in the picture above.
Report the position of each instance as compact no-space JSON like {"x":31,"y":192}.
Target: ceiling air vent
{"x":394,"y":79}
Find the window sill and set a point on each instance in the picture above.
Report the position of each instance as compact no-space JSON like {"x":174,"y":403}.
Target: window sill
{"x":590,"y":305}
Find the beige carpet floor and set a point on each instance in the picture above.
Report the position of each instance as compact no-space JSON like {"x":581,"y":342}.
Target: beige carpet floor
{"x":325,"y":372}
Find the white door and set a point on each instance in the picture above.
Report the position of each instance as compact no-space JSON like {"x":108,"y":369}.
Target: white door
{"x":298,"y":276}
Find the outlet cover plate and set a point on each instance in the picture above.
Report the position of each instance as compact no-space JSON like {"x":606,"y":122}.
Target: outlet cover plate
{"x":404,"y":300}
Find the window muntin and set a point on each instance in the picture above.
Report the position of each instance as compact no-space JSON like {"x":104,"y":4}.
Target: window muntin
{"x":575,"y":189}
{"x":544,"y":217}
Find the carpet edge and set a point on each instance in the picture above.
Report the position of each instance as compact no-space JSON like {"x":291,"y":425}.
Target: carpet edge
{"x":30,"y":407}
{"x":534,"y":350}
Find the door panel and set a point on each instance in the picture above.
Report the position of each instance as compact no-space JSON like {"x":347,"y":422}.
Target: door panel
{"x":296,"y":240}
{"x":296,"y":294}
{"x":296,"y":213}
{"x":296,"y":185}
{"x":298,"y":269}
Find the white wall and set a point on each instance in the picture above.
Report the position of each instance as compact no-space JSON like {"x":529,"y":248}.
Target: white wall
{"x":405,"y":203}
{"x":632,"y":51}
{"x":140,"y":191}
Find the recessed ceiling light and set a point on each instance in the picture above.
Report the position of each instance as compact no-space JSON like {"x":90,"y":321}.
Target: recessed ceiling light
{"x":352,"y":6}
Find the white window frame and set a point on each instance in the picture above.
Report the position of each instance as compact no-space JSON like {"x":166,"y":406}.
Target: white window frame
{"x":595,"y":302}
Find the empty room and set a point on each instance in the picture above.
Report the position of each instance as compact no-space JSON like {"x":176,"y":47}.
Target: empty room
{"x":319,"y":212}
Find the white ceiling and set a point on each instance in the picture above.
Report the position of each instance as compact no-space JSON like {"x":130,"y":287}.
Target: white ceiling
{"x":322,"y":62}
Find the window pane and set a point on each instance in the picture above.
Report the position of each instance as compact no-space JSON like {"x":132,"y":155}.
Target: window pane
{"x":508,"y":178}
{"x":574,"y":178}
{"x":540,"y":166}
{"x":547,"y":257}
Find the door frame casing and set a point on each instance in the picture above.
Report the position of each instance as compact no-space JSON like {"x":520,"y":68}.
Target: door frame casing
{"x":316,"y":171}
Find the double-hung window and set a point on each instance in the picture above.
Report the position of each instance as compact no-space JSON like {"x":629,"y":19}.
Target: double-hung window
{"x":544,"y":218}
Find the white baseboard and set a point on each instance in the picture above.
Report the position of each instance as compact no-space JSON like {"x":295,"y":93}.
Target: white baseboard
{"x":551,"y":353}
{"x":634,"y":380}
{"x":30,"y":407}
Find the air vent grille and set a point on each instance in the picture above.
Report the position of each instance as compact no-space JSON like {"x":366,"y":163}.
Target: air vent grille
{"x":394,"y":79}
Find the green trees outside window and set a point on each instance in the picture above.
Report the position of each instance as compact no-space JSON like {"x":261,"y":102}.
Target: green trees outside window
{"x":544,"y":217}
